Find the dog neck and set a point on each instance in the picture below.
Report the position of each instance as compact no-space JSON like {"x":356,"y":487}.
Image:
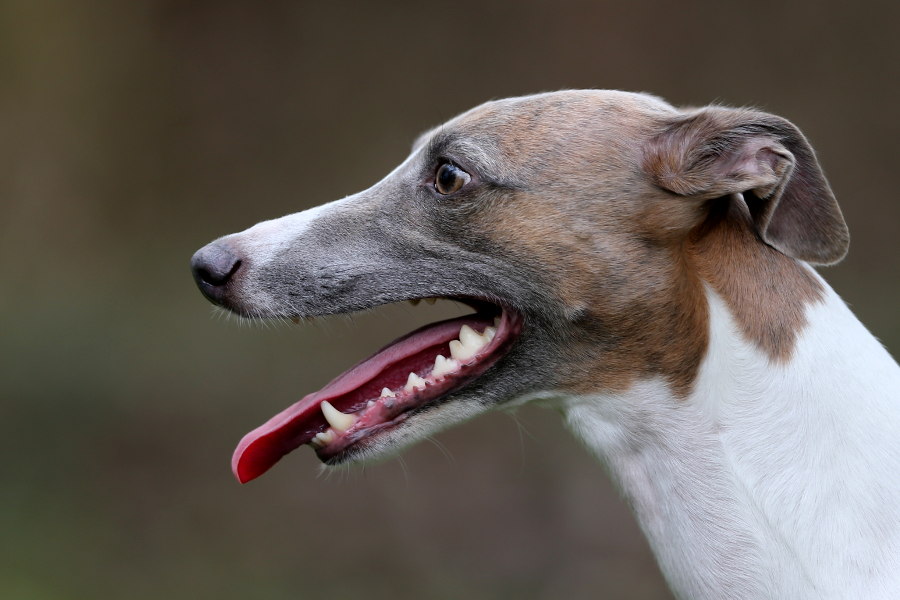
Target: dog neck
{"x":732,"y":484}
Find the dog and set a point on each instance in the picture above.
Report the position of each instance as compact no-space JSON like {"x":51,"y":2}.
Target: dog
{"x":647,"y":271}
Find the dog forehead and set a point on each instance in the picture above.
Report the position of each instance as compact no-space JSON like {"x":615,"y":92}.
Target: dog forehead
{"x":555,"y":108}
{"x":561,"y":124}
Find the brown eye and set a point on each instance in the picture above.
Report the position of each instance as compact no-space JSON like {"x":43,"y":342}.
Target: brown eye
{"x":450,"y":178}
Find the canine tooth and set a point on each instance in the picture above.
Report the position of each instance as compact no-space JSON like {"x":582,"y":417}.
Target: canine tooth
{"x":387,"y":393}
{"x":430,"y":300}
{"x":489,"y":333}
{"x":461,"y":352}
{"x":414,"y":383}
{"x":470,"y":338}
{"x":338,"y":420}
{"x":443,"y":365}
{"x":414,"y":301}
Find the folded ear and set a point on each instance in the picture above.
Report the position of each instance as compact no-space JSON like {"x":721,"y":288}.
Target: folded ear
{"x":715,"y":152}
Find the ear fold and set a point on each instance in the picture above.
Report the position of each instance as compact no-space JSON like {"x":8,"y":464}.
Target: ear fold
{"x":716,"y":152}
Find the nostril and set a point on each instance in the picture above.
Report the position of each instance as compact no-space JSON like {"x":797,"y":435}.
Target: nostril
{"x":217,"y":277}
{"x":214,"y":265}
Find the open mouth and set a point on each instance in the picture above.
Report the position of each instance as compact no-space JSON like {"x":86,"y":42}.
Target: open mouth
{"x":413,"y":373}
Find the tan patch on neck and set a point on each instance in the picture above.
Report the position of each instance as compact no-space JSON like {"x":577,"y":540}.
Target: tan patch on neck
{"x":664,"y":333}
{"x":766,"y":291}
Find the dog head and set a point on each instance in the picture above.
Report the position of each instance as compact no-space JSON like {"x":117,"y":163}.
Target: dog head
{"x":582,"y":227}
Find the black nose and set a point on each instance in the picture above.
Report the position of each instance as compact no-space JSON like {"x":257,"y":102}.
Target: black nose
{"x":213,"y":266}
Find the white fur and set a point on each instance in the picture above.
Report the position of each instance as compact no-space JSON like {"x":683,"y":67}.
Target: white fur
{"x":268,"y":239}
{"x":770,"y":480}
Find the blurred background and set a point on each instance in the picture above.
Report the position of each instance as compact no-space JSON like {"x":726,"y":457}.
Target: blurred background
{"x":132,"y":133}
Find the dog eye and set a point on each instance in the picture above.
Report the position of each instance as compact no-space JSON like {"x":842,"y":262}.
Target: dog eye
{"x":450,"y":178}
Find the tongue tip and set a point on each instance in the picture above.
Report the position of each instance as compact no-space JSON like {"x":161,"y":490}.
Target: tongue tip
{"x":241,"y":477}
{"x":249,"y":460}
{"x":241,"y":473}
{"x":259,"y":450}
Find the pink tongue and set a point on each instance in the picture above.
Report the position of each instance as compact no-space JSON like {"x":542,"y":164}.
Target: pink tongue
{"x":260,"y":449}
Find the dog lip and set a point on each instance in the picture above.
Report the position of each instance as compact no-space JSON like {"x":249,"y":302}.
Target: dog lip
{"x":476,"y":303}
{"x":260,"y":449}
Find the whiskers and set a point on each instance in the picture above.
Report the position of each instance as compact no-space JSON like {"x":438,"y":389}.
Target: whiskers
{"x":451,"y":460}
{"x":523,"y":432}
{"x":258,"y":318}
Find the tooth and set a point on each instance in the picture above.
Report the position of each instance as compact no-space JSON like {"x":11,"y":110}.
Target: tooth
{"x":468,"y":337}
{"x":430,"y":300}
{"x":414,"y":383}
{"x":338,"y":420}
{"x":415,"y":301}
{"x":387,"y":393}
{"x":460,"y":352}
{"x":443,"y":365}
{"x":489,"y":333}
{"x":324,"y":438}
{"x":370,"y":404}
{"x":471,"y":339}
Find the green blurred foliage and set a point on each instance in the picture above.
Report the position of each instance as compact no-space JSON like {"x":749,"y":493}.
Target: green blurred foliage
{"x":131,"y":133}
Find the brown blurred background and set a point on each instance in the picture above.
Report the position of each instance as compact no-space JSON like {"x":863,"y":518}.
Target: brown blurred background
{"x":133,"y":132}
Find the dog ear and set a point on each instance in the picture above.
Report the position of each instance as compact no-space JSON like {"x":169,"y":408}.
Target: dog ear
{"x":715,"y":152}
